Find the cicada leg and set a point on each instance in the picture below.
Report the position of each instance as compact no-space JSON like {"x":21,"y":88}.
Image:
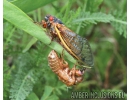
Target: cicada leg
{"x":65,"y":64}
{"x":38,"y":23}
{"x":82,"y":70}
{"x":62,"y":54}
{"x":78,"y":79}
{"x":50,"y":31}
{"x":52,"y":34}
{"x":78,"y":75}
{"x":73,"y":71}
{"x":72,"y":78}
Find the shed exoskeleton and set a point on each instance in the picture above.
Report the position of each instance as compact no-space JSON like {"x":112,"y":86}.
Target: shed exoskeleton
{"x":61,"y":68}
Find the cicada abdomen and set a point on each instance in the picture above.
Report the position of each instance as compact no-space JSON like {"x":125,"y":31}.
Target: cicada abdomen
{"x":76,"y":45}
{"x":55,"y":62}
{"x":60,"y":67}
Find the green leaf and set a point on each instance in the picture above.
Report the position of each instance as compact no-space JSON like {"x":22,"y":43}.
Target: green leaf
{"x":6,"y":78}
{"x":25,"y":77}
{"x":53,"y":97}
{"x":15,"y":16}
{"x":120,"y":23}
{"x":93,"y":5}
{"x":48,"y":90}
{"x":86,"y":18}
{"x":93,"y":18}
{"x":18,"y":18}
{"x":120,"y":27}
{"x":32,"y":96}
{"x":33,"y":40}
{"x":26,"y":7}
{"x":22,"y":86}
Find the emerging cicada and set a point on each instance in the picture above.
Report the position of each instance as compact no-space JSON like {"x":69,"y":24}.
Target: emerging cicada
{"x":60,"y":67}
{"x":76,"y":45}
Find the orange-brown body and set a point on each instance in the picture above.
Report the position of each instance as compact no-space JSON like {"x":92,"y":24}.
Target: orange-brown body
{"x":76,"y":45}
{"x":60,"y":67}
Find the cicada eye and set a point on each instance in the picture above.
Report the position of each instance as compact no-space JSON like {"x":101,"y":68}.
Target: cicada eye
{"x":46,"y":18}
{"x":51,"y":18}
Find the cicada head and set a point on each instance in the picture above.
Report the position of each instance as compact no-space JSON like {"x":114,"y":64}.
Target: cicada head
{"x":49,"y":19}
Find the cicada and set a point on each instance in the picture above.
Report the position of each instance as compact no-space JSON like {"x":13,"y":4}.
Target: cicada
{"x":60,"y":67}
{"x":76,"y":45}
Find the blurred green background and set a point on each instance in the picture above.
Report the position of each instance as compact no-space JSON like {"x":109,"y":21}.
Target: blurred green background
{"x":26,"y":74}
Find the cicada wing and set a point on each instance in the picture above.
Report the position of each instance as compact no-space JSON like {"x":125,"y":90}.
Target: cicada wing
{"x":86,"y":54}
{"x":72,"y":40}
{"x":79,"y":46}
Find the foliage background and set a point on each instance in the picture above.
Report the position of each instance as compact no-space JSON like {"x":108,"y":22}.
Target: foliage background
{"x":27,"y":75}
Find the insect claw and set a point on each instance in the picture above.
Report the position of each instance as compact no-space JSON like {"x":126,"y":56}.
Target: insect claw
{"x":83,"y":70}
{"x":86,"y":66}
